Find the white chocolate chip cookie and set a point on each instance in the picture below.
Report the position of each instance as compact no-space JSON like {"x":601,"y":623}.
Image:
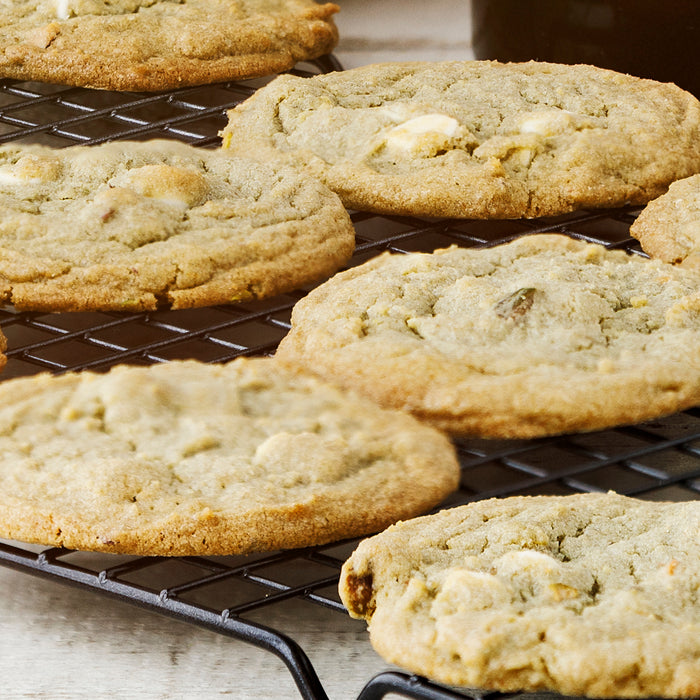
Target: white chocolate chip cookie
{"x":191,"y":458}
{"x":476,"y":139}
{"x":586,"y":595}
{"x":535,"y":337}
{"x":129,"y":225}
{"x":159,"y":44}
{"x":668,"y":228}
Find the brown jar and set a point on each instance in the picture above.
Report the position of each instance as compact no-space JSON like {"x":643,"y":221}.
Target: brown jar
{"x":648,"y":38}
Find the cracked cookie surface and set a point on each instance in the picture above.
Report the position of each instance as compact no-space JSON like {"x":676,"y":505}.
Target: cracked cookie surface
{"x":590,"y":594}
{"x":159,"y":44}
{"x":193,"y":458}
{"x":477,"y":139}
{"x":542,"y":335}
{"x":668,"y":228}
{"x":129,"y":225}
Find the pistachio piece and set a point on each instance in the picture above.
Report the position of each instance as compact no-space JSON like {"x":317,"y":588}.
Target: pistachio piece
{"x":516,"y":304}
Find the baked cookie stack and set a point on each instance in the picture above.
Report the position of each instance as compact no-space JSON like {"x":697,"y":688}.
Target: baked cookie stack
{"x":347,"y":429}
{"x":186,"y":457}
{"x":590,"y":594}
{"x":541,"y":336}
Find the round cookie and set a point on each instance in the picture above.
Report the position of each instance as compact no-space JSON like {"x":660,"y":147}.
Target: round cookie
{"x":159,"y":44}
{"x":476,"y":139}
{"x":587,"y":595}
{"x":669,"y":227}
{"x":542,"y":335}
{"x":188,"y":458}
{"x":137,"y":225}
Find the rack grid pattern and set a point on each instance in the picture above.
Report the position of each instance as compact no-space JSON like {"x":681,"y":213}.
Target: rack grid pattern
{"x":229,"y":595}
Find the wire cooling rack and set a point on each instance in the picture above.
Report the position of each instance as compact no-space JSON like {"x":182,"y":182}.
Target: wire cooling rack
{"x":231,"y":595}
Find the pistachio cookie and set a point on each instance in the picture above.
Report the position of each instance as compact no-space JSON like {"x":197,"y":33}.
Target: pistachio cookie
{"x":669,"y":226}
{"x":476,"y":139}
{"x":586,"y":595}
{"x":542,"y":335}
{"x":159,"y":44}
{"x":192,"y":458}
{"x":135,"y":225}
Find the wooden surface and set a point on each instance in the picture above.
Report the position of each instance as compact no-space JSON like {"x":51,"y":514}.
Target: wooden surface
{"x":61,"y":643}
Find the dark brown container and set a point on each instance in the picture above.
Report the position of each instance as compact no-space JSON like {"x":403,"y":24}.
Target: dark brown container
{"x":648,"y":38}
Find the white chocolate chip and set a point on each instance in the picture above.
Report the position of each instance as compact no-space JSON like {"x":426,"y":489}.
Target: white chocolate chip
{"x":183,"y":187}
{"x":605,"y":366}
{"x":8,"y":176}
{"x":325,"y":457}
{"x":526,"y":560}
{"x":30,"y":169}
{"x":465,"y":590}
{"x":427,"y":133}
{"x":546,"y":123}
{"x":439,"y":123}
{"x":63,"y":9}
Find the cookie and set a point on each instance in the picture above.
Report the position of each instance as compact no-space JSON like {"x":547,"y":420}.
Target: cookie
{"x":158,"y":44}
{"x":669,"y":226}
{"x":193,"y":458}
{"x":542,"y":335}
{"x":137,"y":225}
{"x":476,"y":139}
{"x":3,"y":347}
{"x":590,"y":594}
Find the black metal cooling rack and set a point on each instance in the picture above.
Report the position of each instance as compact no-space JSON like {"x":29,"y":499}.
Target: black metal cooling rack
{"x":230,"y":595}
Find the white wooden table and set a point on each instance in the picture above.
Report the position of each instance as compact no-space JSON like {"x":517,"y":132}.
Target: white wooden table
{"x":59,"y":642}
